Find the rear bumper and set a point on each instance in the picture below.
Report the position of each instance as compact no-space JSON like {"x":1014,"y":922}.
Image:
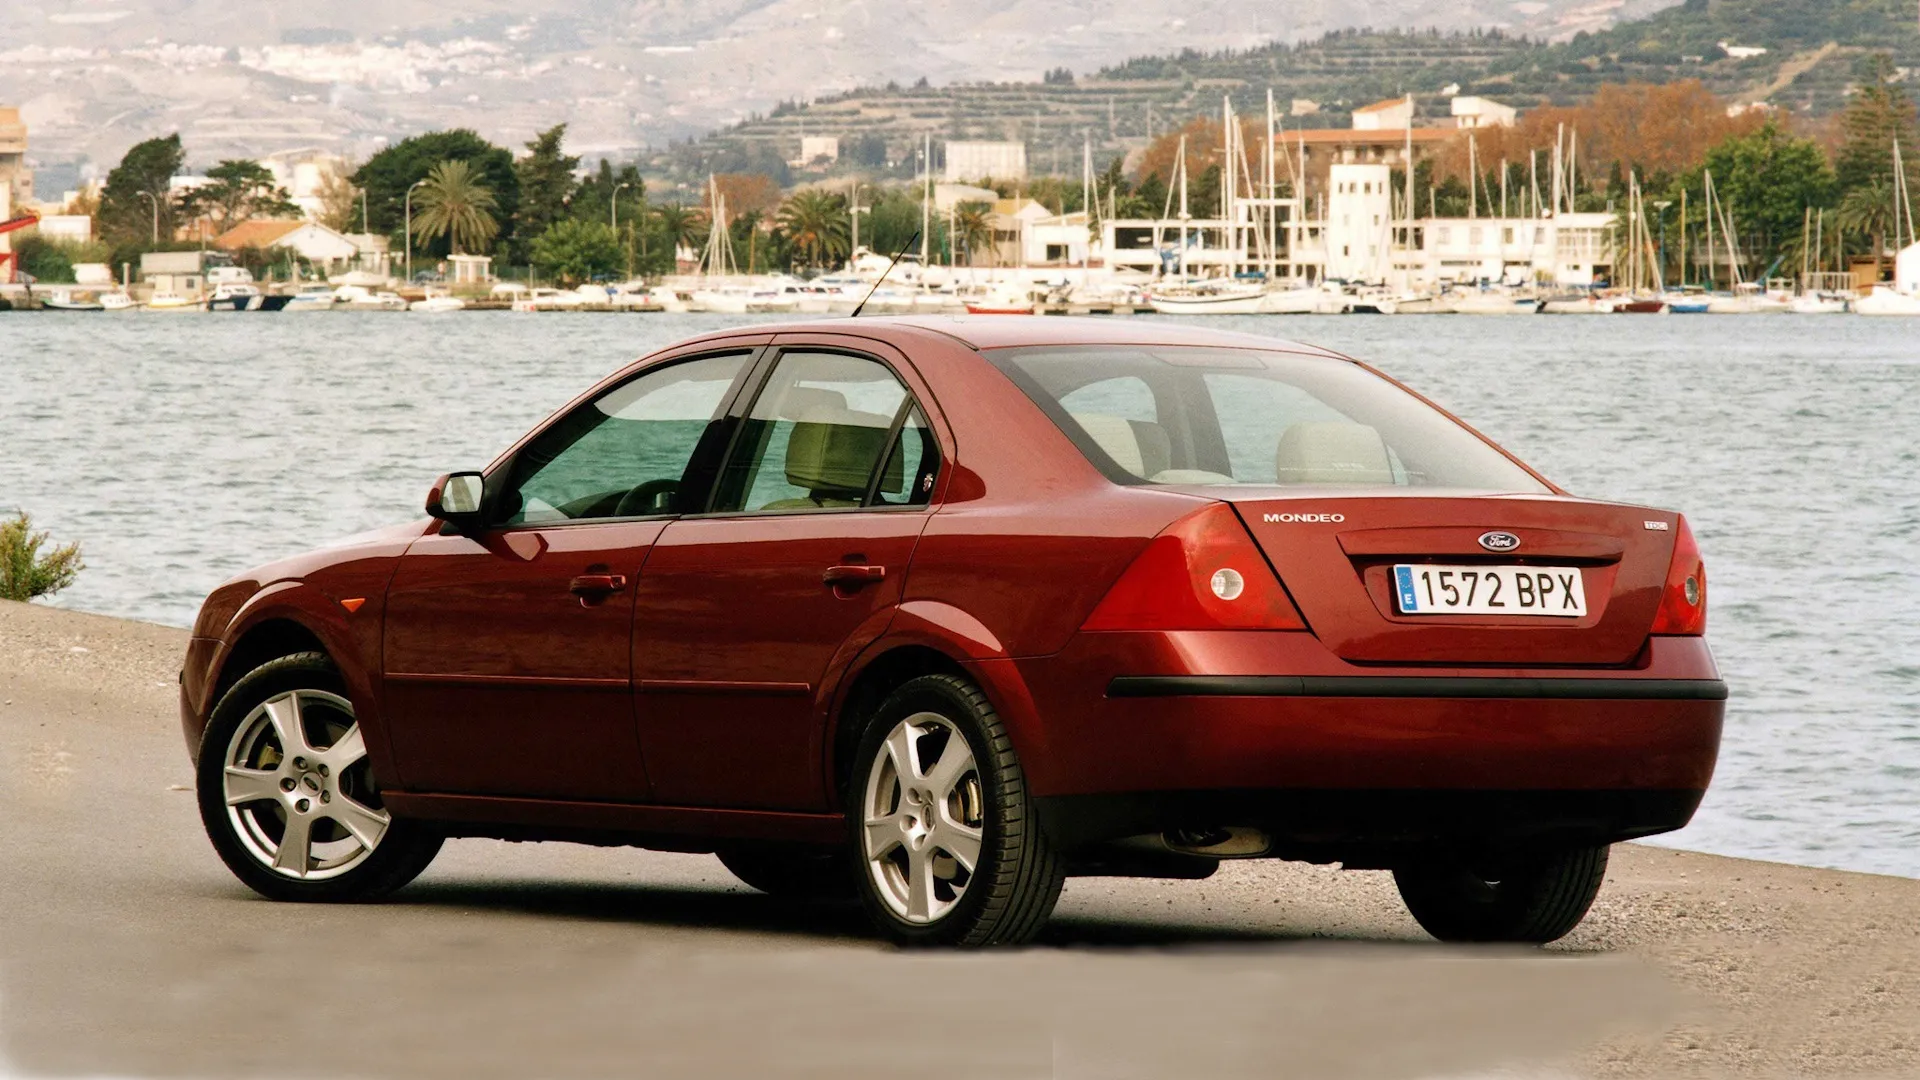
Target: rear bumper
{"x":1138,"y":732}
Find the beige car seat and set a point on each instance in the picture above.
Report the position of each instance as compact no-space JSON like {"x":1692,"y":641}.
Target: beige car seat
{"x":832,"y":449}
{"x":1139,"y":446}
{"x":1332,"y":453}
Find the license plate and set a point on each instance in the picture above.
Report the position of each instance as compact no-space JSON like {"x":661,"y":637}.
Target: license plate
{"x":1426,"y":589}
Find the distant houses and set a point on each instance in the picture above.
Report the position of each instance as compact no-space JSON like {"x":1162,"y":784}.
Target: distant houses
{"x":311,"y":241}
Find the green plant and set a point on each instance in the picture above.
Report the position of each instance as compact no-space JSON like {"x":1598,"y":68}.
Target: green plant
{"x":454,"y":203}
{"x":24,"y":572}
{"x":575,"y":251}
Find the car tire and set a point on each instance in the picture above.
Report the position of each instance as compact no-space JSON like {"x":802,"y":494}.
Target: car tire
{"x":1533,"y":897}
{"x":966,"y":799}
{"x":792,"y":871}
{"x":351,"y":848}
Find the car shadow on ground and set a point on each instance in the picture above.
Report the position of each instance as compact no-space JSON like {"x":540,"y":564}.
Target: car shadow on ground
{"x":745,"y":911}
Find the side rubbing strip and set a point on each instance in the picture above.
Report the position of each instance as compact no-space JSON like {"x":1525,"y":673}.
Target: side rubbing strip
{"x":1341,"y":686}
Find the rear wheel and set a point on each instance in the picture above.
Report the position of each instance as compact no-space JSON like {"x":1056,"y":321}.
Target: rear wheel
{"x":791,"y":871}
{"x":1532,"y":897}
{"x":949,"y":848}
{"x":287,"y":794}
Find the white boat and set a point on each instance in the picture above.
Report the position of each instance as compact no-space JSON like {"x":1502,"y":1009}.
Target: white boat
{"x":1885,"y":300}
{"x":437,"y":304}
{"x":311,"y":298}
{"x":64,"y":300}
{"x":1820,"y":303}
{"x":1419,"y":304}
{"x":1496,"y":302}
{"x":361,"y":298}
{"x":1572,"y":304}
{"x":118,"y":300}
{"x":724,"y":299}
{"x":236,"y":296}
{"x":1217,"y":301}
{"x":1747,"y":298}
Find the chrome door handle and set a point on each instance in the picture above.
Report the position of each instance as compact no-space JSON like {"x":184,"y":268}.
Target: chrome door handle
{"x":597,"y":586}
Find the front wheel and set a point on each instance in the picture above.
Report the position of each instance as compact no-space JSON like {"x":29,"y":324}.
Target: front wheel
{"x":946,"y":836}
{"x":1532,"y":897}
{"x":288,"y":797}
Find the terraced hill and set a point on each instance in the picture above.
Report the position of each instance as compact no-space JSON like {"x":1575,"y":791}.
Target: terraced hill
{"x":1814,"y":50}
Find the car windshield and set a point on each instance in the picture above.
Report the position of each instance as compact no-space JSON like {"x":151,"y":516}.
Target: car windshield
{"x":1184,"y":415}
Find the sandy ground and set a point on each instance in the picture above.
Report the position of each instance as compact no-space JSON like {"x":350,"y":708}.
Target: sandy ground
{"x":126,"y":949}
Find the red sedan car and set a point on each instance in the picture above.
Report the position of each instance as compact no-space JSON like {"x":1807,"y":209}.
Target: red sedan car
{"x":940,"y":612}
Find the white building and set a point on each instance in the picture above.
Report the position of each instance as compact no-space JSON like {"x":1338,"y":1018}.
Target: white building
{"x":817,"y":148}
{"x":1359,"y":223}
{"x":1058,"y":240}
{"x":66,"y":228}
{"x":1395,"y":114}
{"x":311,"y":241}
{"x":986,"y":161}
{"x":306,"y":174}
{"x":1479,"y":112}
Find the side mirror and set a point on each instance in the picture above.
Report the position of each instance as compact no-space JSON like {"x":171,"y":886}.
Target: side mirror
{"x":455,"y":499}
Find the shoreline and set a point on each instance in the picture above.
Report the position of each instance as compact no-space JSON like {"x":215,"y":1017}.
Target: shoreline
{"x":1737,"y":967}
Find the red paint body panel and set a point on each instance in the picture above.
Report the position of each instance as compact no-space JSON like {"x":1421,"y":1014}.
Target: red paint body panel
{"x":740,"y":601}
{"x":708,"y":697}
{"x":500,"y":681}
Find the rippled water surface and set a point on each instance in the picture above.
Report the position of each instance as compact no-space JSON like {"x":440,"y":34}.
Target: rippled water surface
{"x":183,"y":448}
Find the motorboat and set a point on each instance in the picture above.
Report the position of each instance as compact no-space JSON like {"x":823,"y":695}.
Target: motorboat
{"x":361,"y":298}
{"x":1629,"y":304}
{"x":1885,"y":300}
{"x":236,"y":296}
{"x":1497,"y":302}
{"x":172,"y":301}
{"x":438,"y":304}
{"x":550,"y":300}
{"x":1245,"y":300}
{"x":65,"y":300}
{"x":118,"y":300}
{"x":1747,"y":298}
{"x":1420,"y":304}
{"x":1820,"y":303}
{"x":311,"y":298}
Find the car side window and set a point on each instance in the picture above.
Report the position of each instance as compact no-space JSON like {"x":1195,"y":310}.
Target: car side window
{"x":816,"y":436}
{"x":625,"y":453}
{"x":912,"y":465}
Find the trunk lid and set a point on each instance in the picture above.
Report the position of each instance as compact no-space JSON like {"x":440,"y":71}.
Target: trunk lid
{"x":1335,"y":552}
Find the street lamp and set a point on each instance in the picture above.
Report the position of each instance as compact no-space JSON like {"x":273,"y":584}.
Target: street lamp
{"x":150,"y":197}
{"x":409,"y":227}
{"x":613,"y":207}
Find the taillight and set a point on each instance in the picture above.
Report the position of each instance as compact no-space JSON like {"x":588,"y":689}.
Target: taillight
{"x":1683,"y":600}
{"x":1202,"y":573}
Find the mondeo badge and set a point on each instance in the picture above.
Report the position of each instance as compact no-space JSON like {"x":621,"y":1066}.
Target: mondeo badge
{"x":1499,"y":541}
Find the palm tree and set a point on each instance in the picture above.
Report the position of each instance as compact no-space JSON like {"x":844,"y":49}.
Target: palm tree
{"x":682,"y":225}
{"x":973,"y":227}
{"x":816,"y":224}
{"x":455,"y":204}
{"x":1868,"y":211}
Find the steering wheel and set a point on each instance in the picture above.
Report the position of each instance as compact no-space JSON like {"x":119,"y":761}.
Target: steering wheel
{"x":645,"y":499}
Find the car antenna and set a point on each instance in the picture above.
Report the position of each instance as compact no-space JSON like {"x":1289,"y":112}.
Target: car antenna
{"x":911,"y":240}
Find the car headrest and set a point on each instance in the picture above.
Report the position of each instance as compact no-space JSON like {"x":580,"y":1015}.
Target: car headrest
{"x":832,"y":449}
{"x":1139,"y":446}
{"x":1332,"y":453}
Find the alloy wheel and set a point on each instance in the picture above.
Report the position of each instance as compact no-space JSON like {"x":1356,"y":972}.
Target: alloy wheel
{"x":923,"y":817}
{"x":297,"y":787}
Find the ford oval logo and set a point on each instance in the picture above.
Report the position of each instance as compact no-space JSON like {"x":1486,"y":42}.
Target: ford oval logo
{"x":1499,"y":541}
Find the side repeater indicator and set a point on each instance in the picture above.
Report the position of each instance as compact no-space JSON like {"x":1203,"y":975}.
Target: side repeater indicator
{"x":354,"y":604}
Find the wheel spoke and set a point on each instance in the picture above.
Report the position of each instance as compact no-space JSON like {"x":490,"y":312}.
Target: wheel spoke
{"x":955,"y":761}
{"x":296,"y":842}
{"x":348,"y":749}
{"x":365,"y":823}
{"x":882,"y":835}
{"x":960,"y":841}
{"x":900,"y":752}
{"x":920,"y":884}
{"x":284,"y":714}
{"x":251,"y":785}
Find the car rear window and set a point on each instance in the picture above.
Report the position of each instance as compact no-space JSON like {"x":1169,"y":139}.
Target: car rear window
{"x":1186,"y":415}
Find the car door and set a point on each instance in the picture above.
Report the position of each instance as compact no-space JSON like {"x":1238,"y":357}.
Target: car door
{"x":507,"y":655}
{"x":801,"y":558}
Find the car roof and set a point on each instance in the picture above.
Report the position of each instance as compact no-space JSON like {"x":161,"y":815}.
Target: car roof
{"x":1011,"y":331}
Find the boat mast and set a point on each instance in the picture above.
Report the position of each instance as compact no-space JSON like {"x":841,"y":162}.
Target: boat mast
{"x":926,"y":202}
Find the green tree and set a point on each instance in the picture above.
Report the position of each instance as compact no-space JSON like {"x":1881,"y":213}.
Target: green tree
{"x":145,"y":173}
{"x":454,"y":204}
{"x":546,"y":183}
{"x":1879,"y":113}
{"x":973,"y":230}
{"x":1867,"y":211}
{"x":240,"y":191}
{"x":1768,"y":179}
{"x":593,"y":199}
{"x":575,"y":251}
{"x":681,"y":226}
{"x":815,"y":223}
{"x":388,"y":174}
{"x":24,"y":572}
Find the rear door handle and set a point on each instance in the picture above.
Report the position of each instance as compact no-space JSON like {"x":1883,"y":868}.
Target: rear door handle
{"x":853,"y":576}
{"x":597,"y":586}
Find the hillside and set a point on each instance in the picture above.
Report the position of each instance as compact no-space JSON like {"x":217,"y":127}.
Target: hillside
{"x":1814,"y":49}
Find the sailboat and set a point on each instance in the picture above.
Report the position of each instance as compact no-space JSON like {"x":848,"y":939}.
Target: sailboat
{"x":1903,"y":297}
